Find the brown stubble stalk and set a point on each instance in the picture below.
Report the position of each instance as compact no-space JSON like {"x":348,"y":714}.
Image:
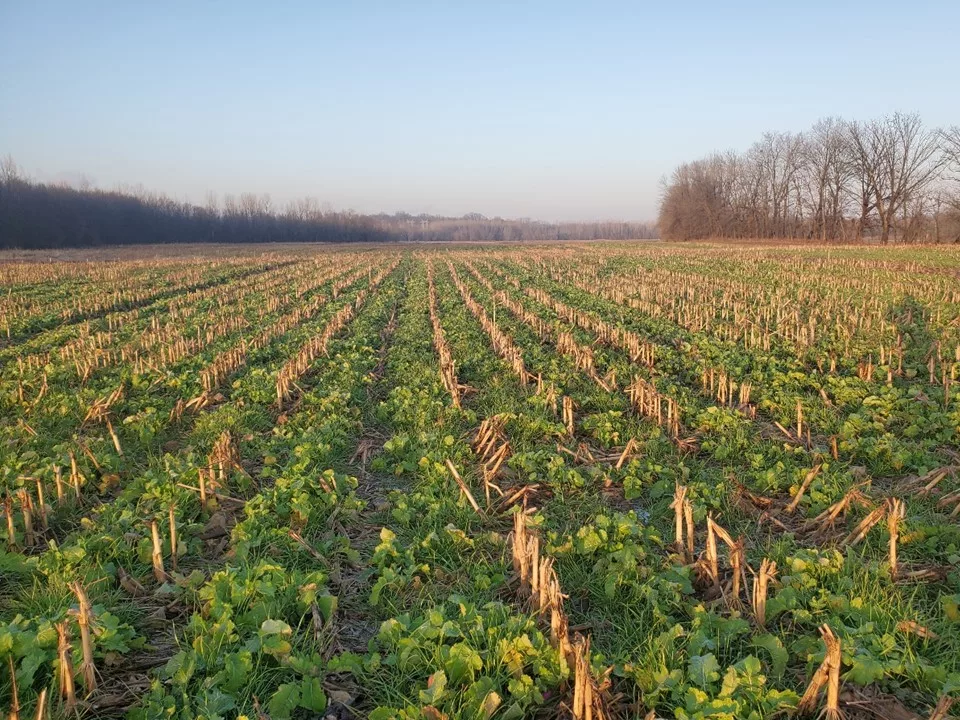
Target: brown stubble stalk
{"x":539,"y":582}
{"x":42,"y":505}
{"x":688,"y":521}
{"x":173,"y":536}
{"x":158,"y":570}
{"x":26,"y":510}
{"x":65,"y":669}
{"x":791,"y":508}
{"x":737,"y":564}
{"x":202,"y":475}
{"x":895,"y":513}
{"x":11,"y":526}
{"x":679,"y":497}
{"x":683,"y":522}
{"x":58,"y":480}
{"x":711,"y":552}
{"x":761,"y":583}
{"x":827,"y":675}
{"x":942,"y":708}
{"x":463,"y":488}
{"x":568,"y":414}
{"x":628,"y":450}
{"x":861,"y":530}
{"x":84,"y":618}
{"x":41,"y":705}
{"x":14,"y":694}
{"x":75,"y":476}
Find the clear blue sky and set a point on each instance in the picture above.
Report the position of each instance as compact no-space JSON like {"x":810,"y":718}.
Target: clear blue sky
{"x":550,"y":110}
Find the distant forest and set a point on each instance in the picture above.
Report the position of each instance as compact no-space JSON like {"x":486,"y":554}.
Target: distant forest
{"x":890,"y":179}
{"x":43,"y":216}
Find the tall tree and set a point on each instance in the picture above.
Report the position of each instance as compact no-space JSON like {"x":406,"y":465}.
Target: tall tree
{"x":895,"y":158}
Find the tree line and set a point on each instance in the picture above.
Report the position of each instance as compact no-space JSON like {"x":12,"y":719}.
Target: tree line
{"x":889,"y":179}
{"x":39,"y":215}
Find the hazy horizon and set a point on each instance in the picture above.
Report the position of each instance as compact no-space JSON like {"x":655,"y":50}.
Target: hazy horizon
{"x":549,"y":111}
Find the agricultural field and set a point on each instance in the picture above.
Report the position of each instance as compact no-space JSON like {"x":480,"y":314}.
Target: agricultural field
{"x":595,"y":481}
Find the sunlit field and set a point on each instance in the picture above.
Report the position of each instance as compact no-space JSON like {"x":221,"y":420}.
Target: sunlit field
{"x":596,"y":480}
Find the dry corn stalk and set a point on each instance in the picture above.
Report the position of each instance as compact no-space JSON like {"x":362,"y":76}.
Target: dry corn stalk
{"x":539,"y":582}
{"x":488,"y":435}
{"x":895,"y":513}
{"x":911,"y":627}
{"x":586,"y":700}
{"x":652,"y":404}
{"x":737,"y":559}
{"x":568,"y":414}
{"x":761,"y":583}
{"x":738,"y":563}
{"x":223,"y":458}
{"x":42,"y":503}
{"x":925,"y":483}
{"x":11,"y":527}
{"x":803,"y":488}
{"x":683,"y":518}
{"x":58,"y":480}
{"x":65,"y":667}
{"x":101,"y":407}
{"x":828,"y":674}
{"x":826,"y":520}
{"x":713,"y":566}
{"x":158,"y":570}
{"x":491,"y":469}
{"x":628,"y":450}
{"x":861,"y":530}
{"x":26,"y":509}
{"x":942,"y":708}
{"x":448,"y":373}
{"x":202,"y":480}
{"x":41,"y":705}
{"x":75,"y":476}
{"x":14,"y":695}
{"x":173,"y":537}
{"x":463,"y":487}
{"x":951,"y":499}
{"x":84,"y":617}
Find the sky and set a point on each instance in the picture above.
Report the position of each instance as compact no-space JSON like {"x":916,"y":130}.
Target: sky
{"x":548,"y":110}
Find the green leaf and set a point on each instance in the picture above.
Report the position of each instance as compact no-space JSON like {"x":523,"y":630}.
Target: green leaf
{"x":462,"y":664}
{"x":284,"y":701}
{"x":436,"y":687}
{"x":731,"y":681}
{"x":236,"y":667}
{"x":951,"y":607}
{"x":383,"y":713}
{"x":327,"y":605}
{"x":312,"y":695}
{"x":214,"y":704}
{"x":704,"y":669}
{"x":865,"y":669}
{"x":275,"y":627}
{"x":273,"y":634}
{"x":779,"y":657}
{"x":180,"y":667}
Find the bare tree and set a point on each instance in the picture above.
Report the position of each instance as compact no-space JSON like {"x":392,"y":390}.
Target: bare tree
{"x":9,"y":170}
{"x":777,"y":158}
{"x":950,"y":143}
{"x":824,"y":177}
{"x":895,"y":158}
